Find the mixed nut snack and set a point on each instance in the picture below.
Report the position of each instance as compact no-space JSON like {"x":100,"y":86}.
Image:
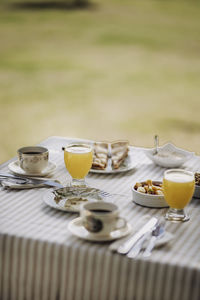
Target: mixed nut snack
{"x":197,"y":178}
{"x":149,"y":187}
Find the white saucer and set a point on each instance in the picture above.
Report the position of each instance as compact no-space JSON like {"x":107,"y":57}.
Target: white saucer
{"x":16,"y":169}
{"x":76,"y":228}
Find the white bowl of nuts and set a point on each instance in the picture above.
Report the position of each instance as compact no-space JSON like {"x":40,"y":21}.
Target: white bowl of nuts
{"x":197,"y":186}
{"x":149,"y":193}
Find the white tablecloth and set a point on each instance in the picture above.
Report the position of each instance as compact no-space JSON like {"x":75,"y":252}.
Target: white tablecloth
{"x":40,"y":259}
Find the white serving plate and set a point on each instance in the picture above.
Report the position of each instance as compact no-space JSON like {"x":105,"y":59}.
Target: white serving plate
{"x":169,"y":156}
{"x":148,"y":200}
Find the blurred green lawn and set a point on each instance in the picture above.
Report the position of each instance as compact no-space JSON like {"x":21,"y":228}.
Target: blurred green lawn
{"x":111,"y":70}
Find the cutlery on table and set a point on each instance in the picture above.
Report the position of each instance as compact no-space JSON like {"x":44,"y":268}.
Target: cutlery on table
{"x":157,"y":233}
{"x":28,"y":180}
{"x":126,"y":246}
{"x":110,"y":194}
{"x":156,"y":142}
{"x":138,"y":246}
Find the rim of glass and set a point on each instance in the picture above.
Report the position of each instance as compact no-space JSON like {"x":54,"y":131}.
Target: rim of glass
{"x":179,"y":171}
{"x":78,"y":145}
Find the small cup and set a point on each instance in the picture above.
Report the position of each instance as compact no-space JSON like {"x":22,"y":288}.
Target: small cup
{"x":33,"y":159}
{"x":101,"y":218}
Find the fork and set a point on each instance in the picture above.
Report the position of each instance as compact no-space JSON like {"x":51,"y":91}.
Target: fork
{"x":107,"y":194}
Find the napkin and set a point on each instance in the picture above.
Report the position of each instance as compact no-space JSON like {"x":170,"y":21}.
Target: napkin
{"x":166,"y":238}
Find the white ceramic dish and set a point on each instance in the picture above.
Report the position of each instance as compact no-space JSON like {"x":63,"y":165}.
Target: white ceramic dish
{"x":15,"y":168}
{"x":49,"y":199}
{"x":197,"y":191}
{"x":125,"y":167}
{"x":76,"y":228}
{"x":148,"y":200}
{"x":169,"y":156}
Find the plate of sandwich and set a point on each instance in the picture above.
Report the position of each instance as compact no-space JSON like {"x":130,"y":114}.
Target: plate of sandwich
{"x":114,"y":157}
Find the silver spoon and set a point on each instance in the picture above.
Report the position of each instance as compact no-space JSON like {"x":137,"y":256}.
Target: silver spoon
{"x":156,"y":143}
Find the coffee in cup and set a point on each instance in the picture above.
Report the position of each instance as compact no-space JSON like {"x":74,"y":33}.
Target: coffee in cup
{"x":33,"y":159}
{"x":101,"y":218}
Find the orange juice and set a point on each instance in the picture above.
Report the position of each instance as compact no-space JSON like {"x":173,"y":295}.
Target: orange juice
{"x":78,"y":160}
{"x":178,"y":188}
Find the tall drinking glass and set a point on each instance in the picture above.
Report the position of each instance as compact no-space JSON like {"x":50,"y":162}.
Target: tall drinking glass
{"x":78,"y":161}
{"x":178,"y":186}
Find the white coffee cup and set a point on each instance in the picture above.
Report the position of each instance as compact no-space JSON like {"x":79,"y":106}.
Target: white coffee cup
{"x":33,"y":159}
{"x":101,"y":218}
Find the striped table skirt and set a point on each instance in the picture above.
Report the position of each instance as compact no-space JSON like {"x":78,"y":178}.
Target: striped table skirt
{"x":41,"y":259}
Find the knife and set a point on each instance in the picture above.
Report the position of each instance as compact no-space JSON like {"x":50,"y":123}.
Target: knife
{"x":127,"y":245}
{"x":29,"y":180}
{"x":7,"y":175}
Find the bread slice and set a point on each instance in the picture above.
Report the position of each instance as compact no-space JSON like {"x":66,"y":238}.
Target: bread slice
{"x":119,"y":151}
{"x":100,"y":156}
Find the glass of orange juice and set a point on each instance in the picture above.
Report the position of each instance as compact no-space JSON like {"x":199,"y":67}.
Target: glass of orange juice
{"x":178,"y":187}
{"x":78,"y":161}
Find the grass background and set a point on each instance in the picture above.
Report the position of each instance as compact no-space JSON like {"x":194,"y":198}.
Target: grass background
{"x":105,"y":70}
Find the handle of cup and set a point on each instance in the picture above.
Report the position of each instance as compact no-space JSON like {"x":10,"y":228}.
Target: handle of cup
{"x":123,"y":225}
{"x":21,"y":163}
